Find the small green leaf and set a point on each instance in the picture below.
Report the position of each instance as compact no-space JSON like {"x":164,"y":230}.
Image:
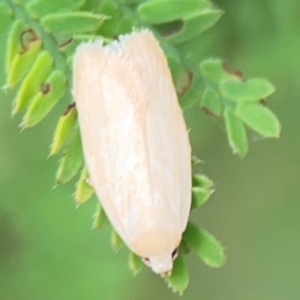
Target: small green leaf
{"x":215,"y":70}
{"x":200,"y":180}
{"x":44,"y":101}
{"x":211,"y":101}
{"x":100,"y":218}
{"x":184,"y":81}
{"x":249,"y":91}
{"x":135,"y":263}
{"x":72,"y":158}
{"x":32,"y":83}
{"x":84,"y":190}
{"x":205,"y":245}
{"x":200,"y":196}
{"x":191,"y":93}
{"x":260,"y":119}
{"x":21,"y":64}
{"x":179,"y":279}
{"x":163,"y":11}
{"x":125,"y":25}
{"x":14,"y":45}
{"x":236,"y":133}
{"x":194,"y":26}
{"x":196,"y":160}
{"x":116,"y":242}
{"x":129,"y":20}
{"x":42,"y":8}
{"x":63,"y":128}
{"x":110,"y":26}
{"x":5,"y":16}
{"x":72,"y":22}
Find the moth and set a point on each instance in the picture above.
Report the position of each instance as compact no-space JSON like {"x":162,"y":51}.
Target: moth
{"x":135,"y":143}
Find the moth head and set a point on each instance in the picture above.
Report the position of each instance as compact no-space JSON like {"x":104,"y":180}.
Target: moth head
{"x":162,"y":264}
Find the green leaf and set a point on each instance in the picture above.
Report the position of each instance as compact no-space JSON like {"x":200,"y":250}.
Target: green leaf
{"x":111,"y":25}
{"x":215,"y":70}
{"x":211,"y":102}
{"x":260,"y":119}
{"x":236,"y":133}
{"x":125,"y":25}
{"x":205,"y":245}
{"x":191,"y":93}
{"x":200,"y":180}
{"x":184,"y":81}
{"x":135,"y":263}
{"x":5,"y":16}
{"x":177,"y":22}
{"x":21,"y":64}
{"x":72,"y":22}
{"x":100,"y":218}
{"x":200,"y":196}
{"x":193,"y":27}
{"x":128,"y":21}
{"x":202,"y":189}
{"x":72,"y":158}
{"x":179,"y":279}
{"x":44,"y":101}
{"x":163,"y":11}
{"x":63,"y":128}
{"x":196,"y":160}
{"x":249,"y":91}
{"x":41,"y":8}
{"x":116,"y":242}
{"x":14,"y":45}
{"x":84,"y":191}
{"x":32,"y":83}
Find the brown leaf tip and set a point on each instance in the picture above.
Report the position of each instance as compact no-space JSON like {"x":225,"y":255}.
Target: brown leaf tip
{"x":69,"y":108}
{"x":26,"y":38}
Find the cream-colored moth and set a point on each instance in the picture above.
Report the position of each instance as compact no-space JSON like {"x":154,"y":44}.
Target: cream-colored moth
{"x":135,"y":143}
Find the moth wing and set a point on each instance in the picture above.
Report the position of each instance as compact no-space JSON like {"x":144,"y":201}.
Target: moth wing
{"x":134,"y":140}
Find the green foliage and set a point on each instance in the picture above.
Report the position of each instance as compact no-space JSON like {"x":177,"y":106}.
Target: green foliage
{"x":179,"y":23}
{"x":236,"y":132}
{"x":240,"y":102}
{"x":205,"y":245}
{"x":179,"y":279}
{"x":22,"y":63}
{"x":201,"y":191}
{"x":249,"y":91}
{"x":64,"y":126}
{"x":39,"y":9}
{"x":14,"y":45}
{"x":260,"y":119}
{"x":211,"y":102}
{"x":135,"y":263}
{"x":72,"y":158}
{"x":100,"y":218}
{"x":45,"y":100}
{"x":116,"y":242}
{"x":42,"y":38}
{"x":72,"y":23}
{"x":32,"y":83}
{"x":84,"y":191}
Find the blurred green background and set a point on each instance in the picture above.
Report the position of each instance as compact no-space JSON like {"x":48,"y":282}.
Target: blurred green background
{"x":47,"y":247}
